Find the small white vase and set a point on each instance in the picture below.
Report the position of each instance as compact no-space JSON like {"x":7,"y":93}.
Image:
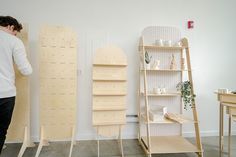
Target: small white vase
{"x":148,"y":66}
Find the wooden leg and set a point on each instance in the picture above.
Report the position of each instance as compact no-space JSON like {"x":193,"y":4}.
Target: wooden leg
{"x":200,"y":154}
{"x":221,"y":130}
{"x":29,"y":141}
{"x":39,"y":148}
{"x":121,"y":144}
{"x":24,"y":145}
{"x":42,"y":142}
{"x":98,"y":140}
{"x":229,"y":137}
{"x":72,"y":141}
{"x":22,"y":150}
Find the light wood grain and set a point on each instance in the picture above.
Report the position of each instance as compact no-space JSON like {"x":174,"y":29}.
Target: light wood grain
{"x":170,"y":144}
{"x":58,"y":84}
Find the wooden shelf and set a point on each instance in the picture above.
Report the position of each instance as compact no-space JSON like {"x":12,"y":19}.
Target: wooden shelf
{"x":112,"y":108}
{"x":109,"y":94}
{"x":108,"y":123}
{"x":163,"y":47}
{"x":110,"y":80}
{"x":115,"y":65}
{"x":169,"y":144}
{"x":162,"y":95}
{"x":164,"y":70}
{"x":167,"y":121}
{"x":164,"y":121}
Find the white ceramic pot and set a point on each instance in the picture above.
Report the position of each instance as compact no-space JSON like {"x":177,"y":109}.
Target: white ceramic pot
{"x":148,"y":66}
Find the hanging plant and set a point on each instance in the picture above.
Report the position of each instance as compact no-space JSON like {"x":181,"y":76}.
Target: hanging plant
{"x":186,"y":93}
{"x":147,"y":58}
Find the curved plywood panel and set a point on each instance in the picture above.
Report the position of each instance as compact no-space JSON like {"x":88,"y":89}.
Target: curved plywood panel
{"x":109,"y":90}
{"x":110,"y":55}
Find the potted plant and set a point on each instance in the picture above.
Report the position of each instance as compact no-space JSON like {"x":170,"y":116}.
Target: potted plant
{"x":186,"y":93}
{"x":147,"y":60}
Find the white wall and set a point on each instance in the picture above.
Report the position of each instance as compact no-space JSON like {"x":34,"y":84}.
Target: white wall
{"x":120,"y":22}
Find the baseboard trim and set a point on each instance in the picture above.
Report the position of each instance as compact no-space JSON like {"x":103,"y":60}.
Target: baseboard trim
{"x":207,"y":133}
{"x":86,"y":136}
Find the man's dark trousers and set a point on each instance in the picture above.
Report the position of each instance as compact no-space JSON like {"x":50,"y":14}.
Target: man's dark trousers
{"x":6,"y":110}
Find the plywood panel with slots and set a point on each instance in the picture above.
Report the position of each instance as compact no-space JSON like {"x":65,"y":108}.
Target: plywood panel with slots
{"x":21,"y":114}
{"x":109,"y":90}
{"x":58,"y":82}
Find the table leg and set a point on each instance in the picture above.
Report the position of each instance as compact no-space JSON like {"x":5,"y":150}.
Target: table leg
{"x":221,"y":133}
{"x":229,"y":136}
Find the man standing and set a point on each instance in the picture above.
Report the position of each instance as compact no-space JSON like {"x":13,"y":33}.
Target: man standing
{"x":12,"y":51}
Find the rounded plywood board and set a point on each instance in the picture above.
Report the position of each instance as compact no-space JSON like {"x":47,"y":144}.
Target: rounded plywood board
{"x":109,"y":90}
{"x":110,"y":55}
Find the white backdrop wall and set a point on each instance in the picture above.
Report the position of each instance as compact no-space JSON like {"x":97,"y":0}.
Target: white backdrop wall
{"x":100,"y":22}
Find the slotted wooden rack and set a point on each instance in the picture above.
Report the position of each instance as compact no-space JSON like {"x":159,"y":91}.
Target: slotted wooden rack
{"x":109,"y":92}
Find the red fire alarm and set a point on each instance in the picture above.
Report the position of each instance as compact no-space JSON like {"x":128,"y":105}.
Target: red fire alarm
{"x":190,"y":24}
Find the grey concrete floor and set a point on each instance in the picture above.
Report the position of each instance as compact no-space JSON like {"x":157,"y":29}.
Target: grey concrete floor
{"x":110,"y":148}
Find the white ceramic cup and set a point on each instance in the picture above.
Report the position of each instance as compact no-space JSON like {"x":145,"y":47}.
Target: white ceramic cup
{"x":223,"y":90}
{"x":155,"y":90}
{"x":168,"y":43}
{"x":159,"y":42}
{"x":163,"y":90}
{"x":148,"y":66}
{"x":179,"y":43}
{"x":158,"y":90}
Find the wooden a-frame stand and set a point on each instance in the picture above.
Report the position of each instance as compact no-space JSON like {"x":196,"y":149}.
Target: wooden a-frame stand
{"x":164,"y":144}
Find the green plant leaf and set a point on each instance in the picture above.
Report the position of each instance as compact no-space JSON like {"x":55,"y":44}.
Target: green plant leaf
{"x":186,"y":93}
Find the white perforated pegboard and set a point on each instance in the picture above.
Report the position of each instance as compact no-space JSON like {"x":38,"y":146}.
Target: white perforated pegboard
{"x":162,"y":79}
{"x":109,"y":90}
{"x":58,"y":82}
{"x":153,"y":33}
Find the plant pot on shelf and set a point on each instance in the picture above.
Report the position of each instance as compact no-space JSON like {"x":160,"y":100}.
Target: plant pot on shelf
{"x":186,"y":93}
{"x":148,"y":61}
{"x":148,"y":66}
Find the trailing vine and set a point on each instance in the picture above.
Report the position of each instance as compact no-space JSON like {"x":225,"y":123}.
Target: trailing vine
{"x":186,"y":93}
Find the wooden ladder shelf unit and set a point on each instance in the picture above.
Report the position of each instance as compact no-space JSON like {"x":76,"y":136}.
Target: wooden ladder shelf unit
{"x":159,"y":144}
